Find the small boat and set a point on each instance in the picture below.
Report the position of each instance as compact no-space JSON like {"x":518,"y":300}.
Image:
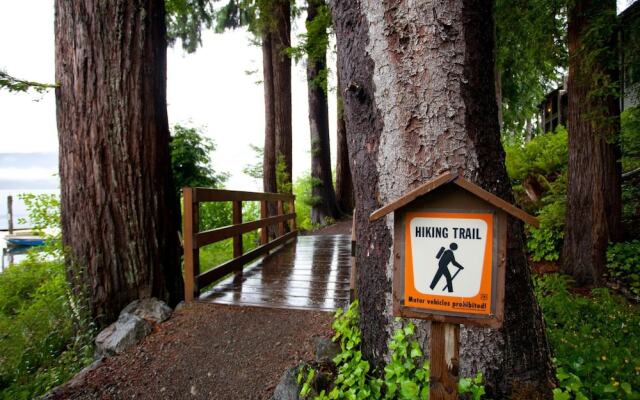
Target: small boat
{"x":24,"y":240}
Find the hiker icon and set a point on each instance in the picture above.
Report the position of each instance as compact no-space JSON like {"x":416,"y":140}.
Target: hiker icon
{"x":446,"y":257}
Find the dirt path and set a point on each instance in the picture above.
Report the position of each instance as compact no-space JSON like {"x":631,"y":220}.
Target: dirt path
{"x":209,"y":351}
{"x":341,"y":227}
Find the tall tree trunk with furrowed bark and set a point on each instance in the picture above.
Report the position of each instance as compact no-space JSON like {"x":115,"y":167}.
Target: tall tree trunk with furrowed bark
{"x":269,"y":160}
{"x":281,"y":67}
{"x":420,"y":99}
{"x":344,"y":184}
{"x":324,"y":198}
{"x":120,"y":214}
{"x":594,"y":203}
{"x":269,"y":181}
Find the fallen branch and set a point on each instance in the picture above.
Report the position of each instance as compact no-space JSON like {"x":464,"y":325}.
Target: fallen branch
{"x":623,"y":291}
{"x":631,"y":174}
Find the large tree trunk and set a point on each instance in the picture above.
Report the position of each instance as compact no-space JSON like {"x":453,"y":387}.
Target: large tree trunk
{"x":594,"y":173}
{"x":281,"y":67}
{"x":324,"y":198}
{"x":269,"y":154}
{"x":120,"y":214}
{"x":420,"y":99}
{"x":344,"y":184}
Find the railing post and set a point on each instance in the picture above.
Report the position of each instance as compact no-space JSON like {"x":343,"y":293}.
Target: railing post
{"x":191,"y":251}
{"x":292,"y":208}
{"x":264,"y":231}
{"x":10,"y":214}
{"x":237,"y":240}
{"x":281,"y":228}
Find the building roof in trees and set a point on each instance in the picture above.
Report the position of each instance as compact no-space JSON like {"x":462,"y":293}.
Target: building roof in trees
{"x":450,"y":177}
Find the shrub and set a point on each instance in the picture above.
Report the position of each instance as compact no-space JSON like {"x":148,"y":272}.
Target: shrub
{"x":630,"y":144}
{"x":595,"y":339}
{"x":191,"y":159}
{"x":630,"y":138}
{"x":623,"y":264}
{"x":406,"y":376}
{"x":542,"y":163}
{"x":545,"y":243}
{"x":44,"y":340}
{"x":46,"y":331}
{"x":304,"y":201}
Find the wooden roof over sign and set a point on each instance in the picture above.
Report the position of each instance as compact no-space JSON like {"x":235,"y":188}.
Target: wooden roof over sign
{"x":452,"y":177}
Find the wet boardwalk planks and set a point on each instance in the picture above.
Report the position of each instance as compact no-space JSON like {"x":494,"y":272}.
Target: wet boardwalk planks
{"x":310,"y":273}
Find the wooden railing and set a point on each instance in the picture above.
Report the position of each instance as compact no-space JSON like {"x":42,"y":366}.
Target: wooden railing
{"x":194,"y":239}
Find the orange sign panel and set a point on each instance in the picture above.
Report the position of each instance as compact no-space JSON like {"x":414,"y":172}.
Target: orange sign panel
{"x":449,"y":262}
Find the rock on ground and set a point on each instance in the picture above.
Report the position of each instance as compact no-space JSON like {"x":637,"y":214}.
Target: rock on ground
{"x":132,"y":326}
{"x":150,"y":309}
{"x":126,"y":332}
{"x":288,"y":388}
{"x":325,"y":350}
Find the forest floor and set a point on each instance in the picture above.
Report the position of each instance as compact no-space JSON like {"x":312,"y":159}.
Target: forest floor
{"x":210,"y":351}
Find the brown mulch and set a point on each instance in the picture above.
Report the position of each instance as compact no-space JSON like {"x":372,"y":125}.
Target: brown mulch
{"x":544,"y":267}
{"x":208,"y":351}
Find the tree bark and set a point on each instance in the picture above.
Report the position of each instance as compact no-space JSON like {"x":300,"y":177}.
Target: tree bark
{"x":344,"y":184}
{"x":281,"y":67}
{"x":594,"y":203}
{"x":269,"y":180}
{"x":324,"y":198}
{"x":120,"y":214}
{"x":269,"y":154}
{"x":420,"y":99}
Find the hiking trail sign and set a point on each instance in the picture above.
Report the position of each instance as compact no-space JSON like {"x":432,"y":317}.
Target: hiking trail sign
{"x":450,"y":252}
{"x":450,"y":259}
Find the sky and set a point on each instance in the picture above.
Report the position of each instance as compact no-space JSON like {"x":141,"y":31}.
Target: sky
{"x":209,"y":89}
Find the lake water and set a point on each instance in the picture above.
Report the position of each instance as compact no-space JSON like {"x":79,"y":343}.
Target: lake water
{"x":13,"y":255}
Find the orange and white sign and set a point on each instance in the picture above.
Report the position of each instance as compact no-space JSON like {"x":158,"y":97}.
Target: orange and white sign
{"x":449,"y":262}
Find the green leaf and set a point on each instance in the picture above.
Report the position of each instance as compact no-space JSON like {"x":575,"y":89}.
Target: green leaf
{"x":409,"y":389}
{"x":559,"y":394}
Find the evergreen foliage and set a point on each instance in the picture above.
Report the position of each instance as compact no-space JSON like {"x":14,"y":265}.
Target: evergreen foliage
{"x":314,"y":43}
{"x":255,"y":170}
{"x":531,"y":53}
{"x":185,"y":21}
{"x":13,"y":84}
{"x":541,"y":166}
{"x":191,"y":159}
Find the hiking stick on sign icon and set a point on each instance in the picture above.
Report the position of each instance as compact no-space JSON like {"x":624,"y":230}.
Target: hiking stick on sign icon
{"x":445,"y":257}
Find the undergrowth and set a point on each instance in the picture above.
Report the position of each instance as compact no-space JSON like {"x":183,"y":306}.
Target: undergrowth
{"x":595,"y":341}
{"x":406,"y":376}
{"x":623,"y":264}
{"x":46,"y":331}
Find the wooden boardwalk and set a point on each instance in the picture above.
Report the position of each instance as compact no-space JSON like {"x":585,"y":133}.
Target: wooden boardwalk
{"x":311,"y":273}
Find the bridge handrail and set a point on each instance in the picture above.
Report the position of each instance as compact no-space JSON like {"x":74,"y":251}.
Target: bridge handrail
{"x":194,"y":239}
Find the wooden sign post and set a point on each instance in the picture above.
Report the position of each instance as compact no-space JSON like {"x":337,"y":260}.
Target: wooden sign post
{"x":450,"y":252}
